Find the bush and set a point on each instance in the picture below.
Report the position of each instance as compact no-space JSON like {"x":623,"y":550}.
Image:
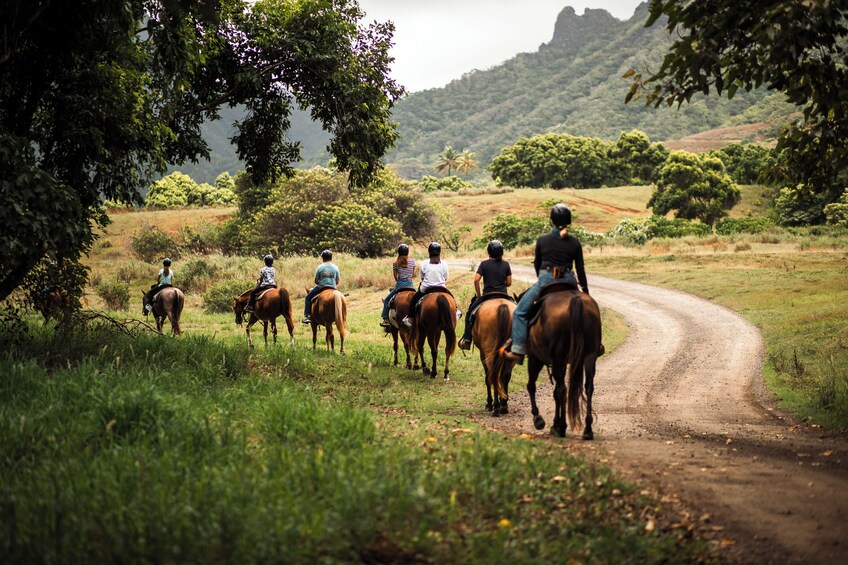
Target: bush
{"x":219,"y":297}
{"x":198,"y":274}
{"x":151,"y":244}
{"x":641,"y":230}
{"x":449,"y":184}
{"x":357,"y":229}
{"x":513,"y":230}
{"x":731,"y":226}
{"x":836,"y":213}
{"x":115,"y":294}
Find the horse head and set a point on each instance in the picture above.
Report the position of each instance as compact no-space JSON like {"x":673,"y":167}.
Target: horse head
{"x":239,"y":304}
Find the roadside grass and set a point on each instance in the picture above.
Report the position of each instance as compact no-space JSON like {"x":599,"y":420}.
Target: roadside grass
{"x":199,"y":450}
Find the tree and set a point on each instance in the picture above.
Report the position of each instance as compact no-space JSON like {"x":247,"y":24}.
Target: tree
{"x":793,"y":47}
{"x":447,"y":160}
{"x":466,"y":161}
{"x":697,"y":188}
{"x":99,"y":97}
{"x":745,"y":163}
{"x":635,"y":160}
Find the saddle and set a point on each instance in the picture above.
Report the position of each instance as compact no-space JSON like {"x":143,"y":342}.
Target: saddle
{"x":414,"y":307}
{"x":547,"y":291}
{"x":489,"y":296}
{"x":321,"y":289}
{"x":395,"y":295}
{"x":263,"y":293}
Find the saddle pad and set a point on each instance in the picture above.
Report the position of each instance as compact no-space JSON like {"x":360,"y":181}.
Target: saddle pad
{"x":323,"y":290}
{"x":400,"y":290}
{"x":263,"y":293}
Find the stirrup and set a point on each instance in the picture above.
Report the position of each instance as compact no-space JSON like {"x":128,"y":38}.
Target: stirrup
{"x":465,"y":344}
{"x":507,"y":354}
{"x":306,"y":320}
{"x":385,"y":323}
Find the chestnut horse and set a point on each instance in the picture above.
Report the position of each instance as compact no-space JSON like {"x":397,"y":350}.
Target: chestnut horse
{"x":437,"y":315}
{"x":329,"y":306}
{"x":167,"y":303}
{"x":273,"y":303}
{"x":567,"y":334}
{"x":400,"y":308}
{"x":492,"y":327}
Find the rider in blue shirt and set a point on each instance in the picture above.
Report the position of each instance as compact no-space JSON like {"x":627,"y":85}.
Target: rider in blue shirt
{"x":327,"y":275}
{"x":165,"y":278}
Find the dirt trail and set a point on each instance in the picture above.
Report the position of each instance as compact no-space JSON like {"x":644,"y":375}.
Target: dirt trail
{"x":681,"y":408}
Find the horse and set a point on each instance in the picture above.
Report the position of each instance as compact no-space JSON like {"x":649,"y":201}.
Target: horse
{"x":437,"y":315}
{"x":400,"y":308}
{"x":167,"y":303}
{"x":567,"y":334}
{"x":273,"y":303}
{"x":51,"y":302}
{"x":492,"y":327}
{"x":329,"y":306}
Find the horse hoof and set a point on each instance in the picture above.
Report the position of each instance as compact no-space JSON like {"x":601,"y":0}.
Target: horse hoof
{"x":489,"y":408}
{"x":588,"y":435}
{"x":539,"y":423}
{"x":505,"y":410}
{"x":496,"y":414}
{"x":557,"y":432}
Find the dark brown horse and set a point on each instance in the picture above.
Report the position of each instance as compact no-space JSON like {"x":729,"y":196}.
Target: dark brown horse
{"x":167,"y":303}
{"x":273,"y":303}
{"x":492,"y":327}
{"x":400,"y":308}
{"x":567,"y":334}
{"x":52,"y":302}
{"x":329,"y":307}
{"x":437,"y":315}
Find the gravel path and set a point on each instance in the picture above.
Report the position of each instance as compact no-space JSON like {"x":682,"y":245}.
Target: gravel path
{"x":682,"y":410}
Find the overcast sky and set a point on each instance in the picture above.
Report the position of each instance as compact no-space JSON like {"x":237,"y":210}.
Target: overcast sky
{"x":437,"y":41}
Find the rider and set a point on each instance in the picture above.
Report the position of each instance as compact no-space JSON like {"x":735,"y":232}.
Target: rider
{"x":164,"y":280}
{"x":326,"y":276}
{"x":558,"y":255}
{"x":266,"y":280}
{"x":434,"y":273}
{"x":403,"y":269}
{"x":497,"y":276}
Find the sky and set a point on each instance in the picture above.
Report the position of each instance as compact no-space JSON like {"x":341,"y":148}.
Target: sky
{"x":437,"y":41}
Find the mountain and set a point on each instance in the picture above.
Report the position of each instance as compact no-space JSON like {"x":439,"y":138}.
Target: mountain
{"x":572,"y":84}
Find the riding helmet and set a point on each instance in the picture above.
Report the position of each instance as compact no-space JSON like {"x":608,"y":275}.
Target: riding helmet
{"x":434,"y":249}
{"x":495,"y":249}
{"x":403,"y":250}
{"x":269,"y":260}
{"x":326,"y":255}
{"x":166,"y":262}
{"x":560,"y":215}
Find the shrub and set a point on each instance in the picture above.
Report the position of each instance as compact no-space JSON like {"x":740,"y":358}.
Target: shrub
{"x":219,"y":297}
{"x":731,"y":226}
{"x":513,"y":230}
{"x":449,"y":184}
{"x":357,"y":229}
{"x":641,"y":230}
{"x":115,"y":294}
{"x":202,"y":237}
{"x":151,"y":244}
{"x":836,"y":213}
{"x":198,"y":274}
{"x":172,"y":190}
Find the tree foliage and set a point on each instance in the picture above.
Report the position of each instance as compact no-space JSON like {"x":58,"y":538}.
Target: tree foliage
{"x":837,"y":212}
{"x":178,"y":189}
{"x":695,"y":188}
{"x":793,"y":47}
{"x":99,"y":97}
{"x":447,"y":161}
{"x":746,"y":163}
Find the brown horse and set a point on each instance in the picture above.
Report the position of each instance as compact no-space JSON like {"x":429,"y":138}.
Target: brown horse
{"x":400,"y":308}
{"x":274,"y":303}
{"x":167,"y":303}
{"x":492,"y":327}
{"x":328,"y":307}
{"x":52,"y":302}
{"x":567,"y":334}
{"x":437,"y":315}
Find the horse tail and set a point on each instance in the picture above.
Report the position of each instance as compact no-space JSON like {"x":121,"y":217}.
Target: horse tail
{"x":447,"y":319}
{"x":576,"y":357}
{"x":503,"y":328}
{"x":341,"y":312}
{"x":179,"y":302}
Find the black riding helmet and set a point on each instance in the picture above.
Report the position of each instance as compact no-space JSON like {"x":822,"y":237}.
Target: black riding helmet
{"x":561,"y":215}
{"x":166,"y":262}
{"x":326,"y":255}
{"x":434,"y":249}
{"x":269,"y":260}
{"x":403,"y":250}
{"x":495,"y":249}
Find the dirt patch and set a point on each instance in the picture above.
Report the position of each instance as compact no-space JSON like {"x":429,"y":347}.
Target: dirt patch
{"x":682,"y":410}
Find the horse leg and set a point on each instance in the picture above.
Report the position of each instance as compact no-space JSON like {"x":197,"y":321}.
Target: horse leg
{"x":489,"y":402}
{"x":505,"y":377}
{"x":314,"y":335}
{"x":247,"y":331}
{"x":534,"y":365}
{"x":433,"y":342}
{"x":265,"y":331}
{"x":274,"y":330}
{"x":447,"y":358}
{"x":395,"y":345}
{"x":160,"y":321}
{"x":559,"y":426}
{"x":330,"y":338}
{"x":421,"y":339}
{"x":341,"y":343}
{"x":589,"y":388}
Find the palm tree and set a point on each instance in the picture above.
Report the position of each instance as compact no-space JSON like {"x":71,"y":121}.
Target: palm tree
{"x":466,"y":161}
{"x":447,"y":160}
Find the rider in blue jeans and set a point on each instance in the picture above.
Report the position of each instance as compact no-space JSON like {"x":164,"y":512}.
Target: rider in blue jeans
{"x":403,"y":269}
{"x":558,"y":255}
{"x":326,"y":276}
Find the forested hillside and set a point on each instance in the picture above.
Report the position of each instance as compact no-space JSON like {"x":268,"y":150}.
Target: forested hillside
{"x":572,"y":84}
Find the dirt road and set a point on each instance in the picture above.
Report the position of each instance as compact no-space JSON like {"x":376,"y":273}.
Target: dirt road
{"x":682,"y":410}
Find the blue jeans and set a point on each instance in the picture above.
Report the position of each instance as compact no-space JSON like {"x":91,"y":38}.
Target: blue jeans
{"x":398,"y":285}
{"x":519,"y":317}
{"x":309,"y":296}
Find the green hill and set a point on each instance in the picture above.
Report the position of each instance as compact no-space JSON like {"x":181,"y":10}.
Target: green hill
{"x":572,"y":84}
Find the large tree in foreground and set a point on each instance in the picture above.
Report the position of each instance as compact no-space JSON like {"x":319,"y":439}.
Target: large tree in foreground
{"x":792,"y":46}
{"x":97,"y":97}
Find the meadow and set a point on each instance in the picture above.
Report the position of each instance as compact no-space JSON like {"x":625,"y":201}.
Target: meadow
{"x":152,"y":448}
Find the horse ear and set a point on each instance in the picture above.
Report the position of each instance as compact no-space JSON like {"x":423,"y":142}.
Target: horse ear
{"x":142,"y":293}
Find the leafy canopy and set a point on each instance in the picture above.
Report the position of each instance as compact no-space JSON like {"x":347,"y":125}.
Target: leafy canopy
{"x":789,"y":46}
{"x":99,"y":97}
